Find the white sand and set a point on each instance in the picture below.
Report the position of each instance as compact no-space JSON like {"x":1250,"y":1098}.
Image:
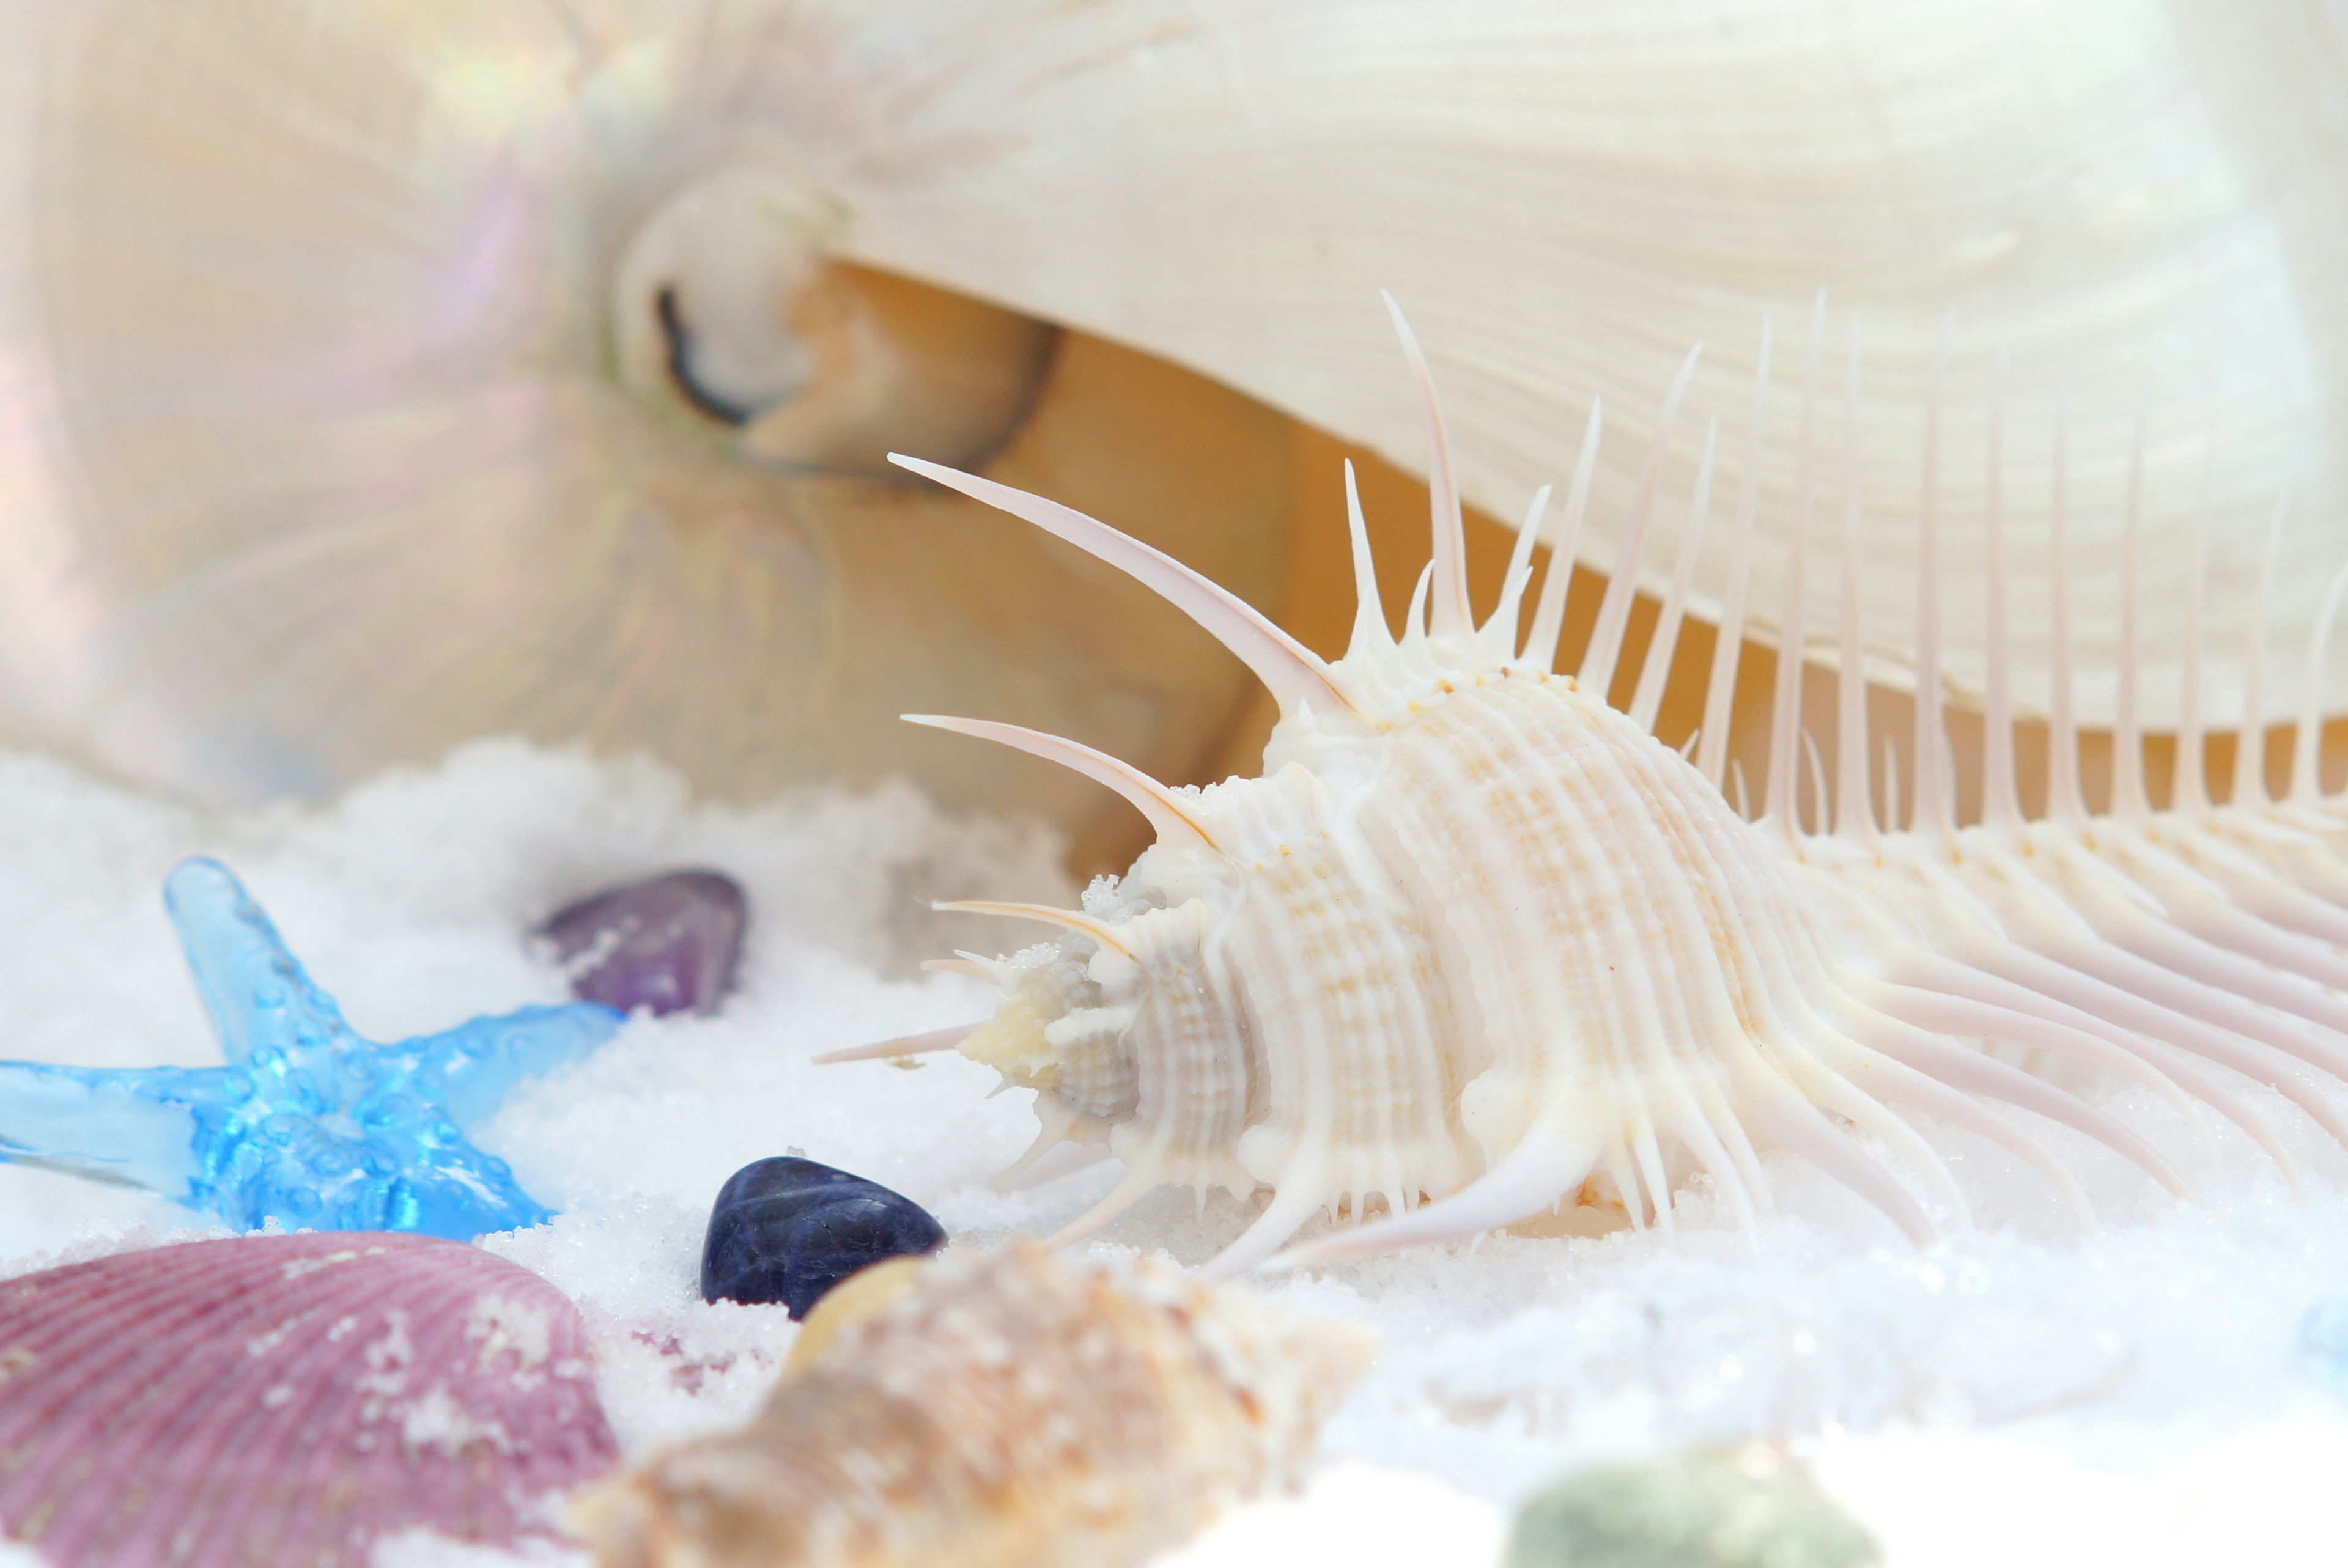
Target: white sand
{"x":2025,"y":1395}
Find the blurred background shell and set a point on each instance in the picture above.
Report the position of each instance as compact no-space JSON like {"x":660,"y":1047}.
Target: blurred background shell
{"x":376,"y":376}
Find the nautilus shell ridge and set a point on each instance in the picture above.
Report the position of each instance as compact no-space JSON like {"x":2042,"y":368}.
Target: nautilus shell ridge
{"x":2131,"y":210}
{"x":1476,"y":943}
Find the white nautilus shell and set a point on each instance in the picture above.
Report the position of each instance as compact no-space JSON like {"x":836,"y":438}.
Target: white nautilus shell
{"x":2130,"y":208}
{"x":372,"y":378}
{"x":373,"y":375}
{"x":1476,"y":936}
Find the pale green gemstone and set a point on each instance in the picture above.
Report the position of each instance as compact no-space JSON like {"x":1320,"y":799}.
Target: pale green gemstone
{"x":1750,"y":1507}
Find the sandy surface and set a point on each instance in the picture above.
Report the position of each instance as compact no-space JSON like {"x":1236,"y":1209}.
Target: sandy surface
{"x":2026,"y":1394}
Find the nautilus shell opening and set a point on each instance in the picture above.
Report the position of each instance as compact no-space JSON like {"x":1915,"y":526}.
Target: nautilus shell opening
{"x":1476,"y":943}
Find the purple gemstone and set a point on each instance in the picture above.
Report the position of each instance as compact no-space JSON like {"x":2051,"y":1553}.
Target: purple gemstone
{"x":668,"y":944}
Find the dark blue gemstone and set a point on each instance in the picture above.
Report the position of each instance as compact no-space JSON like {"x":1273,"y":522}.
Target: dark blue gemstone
{"x":789,"y":1230}
{"x":668,"y":944}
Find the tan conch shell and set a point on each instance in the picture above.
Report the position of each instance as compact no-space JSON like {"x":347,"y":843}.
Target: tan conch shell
{"x":1012,"y":1410}
{"x":372,"y":375}
{"x":1475,"y":938}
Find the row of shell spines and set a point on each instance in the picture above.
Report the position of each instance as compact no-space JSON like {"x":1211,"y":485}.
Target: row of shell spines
{"x":1385,"y":680}
{"x":1593,"y":918}
{"x":1353,"y":1067}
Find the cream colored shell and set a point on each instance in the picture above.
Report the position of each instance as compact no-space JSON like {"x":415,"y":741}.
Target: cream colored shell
{"x":335,"y":415}
{"x":2129,"y":205}
{"x":1476,"y":938}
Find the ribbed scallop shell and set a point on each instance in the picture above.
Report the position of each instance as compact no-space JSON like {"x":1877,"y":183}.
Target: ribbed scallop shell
{"x":1011,"y":1411}
{"x":1478,"y":938}
{"x":288,"y":1399}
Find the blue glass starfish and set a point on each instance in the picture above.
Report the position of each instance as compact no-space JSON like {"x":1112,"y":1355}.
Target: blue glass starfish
{"x":308,"y":1125}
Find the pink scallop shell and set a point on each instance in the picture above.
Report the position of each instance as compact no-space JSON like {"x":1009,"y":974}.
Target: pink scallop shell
{"x":288,"y":1399}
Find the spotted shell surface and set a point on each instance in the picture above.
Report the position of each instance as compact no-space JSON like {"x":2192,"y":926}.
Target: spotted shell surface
{"x":1478,"y":943}
{"x":288,"y":1399}
{"x":1007,"y":1411}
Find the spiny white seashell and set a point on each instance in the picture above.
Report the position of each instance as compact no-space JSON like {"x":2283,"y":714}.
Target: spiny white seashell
{"x":1476,"y":936}
{"x":289,"y":1399}
{"x":1010,"y":1410}
{"x":461,"y":332}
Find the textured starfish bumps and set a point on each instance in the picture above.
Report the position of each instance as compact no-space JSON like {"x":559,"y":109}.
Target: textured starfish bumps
{"x":307,"y":1125}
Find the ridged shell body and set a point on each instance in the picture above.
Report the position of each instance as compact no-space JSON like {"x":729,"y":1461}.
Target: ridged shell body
{"x":1502,"y":914}
{"x":1010,"y":1410}
{"x":288,"y":1399}
{"x":1477,"y":936}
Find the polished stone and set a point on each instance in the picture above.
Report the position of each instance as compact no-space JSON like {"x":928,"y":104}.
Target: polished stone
{"x":1748,"y":1507}
{"x":787,"y":1230}
{"x":669,"y":943}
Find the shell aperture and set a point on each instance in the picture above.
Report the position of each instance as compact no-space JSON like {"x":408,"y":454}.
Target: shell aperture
{"x":1476,"y":939}
{"x":344,"y":425}
{"x":728,"y":298}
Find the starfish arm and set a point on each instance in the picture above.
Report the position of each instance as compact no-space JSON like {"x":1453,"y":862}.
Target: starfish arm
{"x":133,"y":1126}
{"x":259,"y":996}
{"x":309,"y":1125}
{"x":419,"y":1175}
{"x":452,"y":1190}
{"x":469,"y":1069}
